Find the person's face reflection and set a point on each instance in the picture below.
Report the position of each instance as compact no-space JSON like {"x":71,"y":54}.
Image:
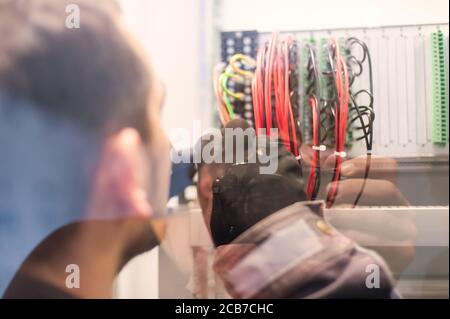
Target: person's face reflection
{"x":159,"y":154}
{"x":132,"y":179}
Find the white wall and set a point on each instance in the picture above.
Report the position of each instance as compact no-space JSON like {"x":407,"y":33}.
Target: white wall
{"x":139,"y":278}
{"x":285,"y":15}
{"x":170,"y":32}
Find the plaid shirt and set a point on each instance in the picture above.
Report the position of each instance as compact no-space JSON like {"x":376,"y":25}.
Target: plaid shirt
{"x":295,"y":253}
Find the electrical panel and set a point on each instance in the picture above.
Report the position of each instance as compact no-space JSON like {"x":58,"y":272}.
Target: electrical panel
{"x":409,"y":76}
{"x":247,"y":43}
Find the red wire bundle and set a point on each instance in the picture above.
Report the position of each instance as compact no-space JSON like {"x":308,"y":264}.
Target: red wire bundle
{"x":272,"y":80}
{"x":341,"y":109}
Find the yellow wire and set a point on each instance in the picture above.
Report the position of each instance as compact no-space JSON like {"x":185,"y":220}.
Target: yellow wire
{"x":223,"y":81}
{"x":246,"y":59}
{"x":238,"y":75}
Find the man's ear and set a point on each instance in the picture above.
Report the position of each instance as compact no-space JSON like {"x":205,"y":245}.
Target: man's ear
{"x":119,"y":189}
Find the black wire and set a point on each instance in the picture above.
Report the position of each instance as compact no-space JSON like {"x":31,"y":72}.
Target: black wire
{"x":328,"y":112}
{"x":364,"y":113}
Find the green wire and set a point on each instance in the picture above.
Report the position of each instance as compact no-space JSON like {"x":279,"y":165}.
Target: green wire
{"x":223,"y":82}
{"x":229,"y":106}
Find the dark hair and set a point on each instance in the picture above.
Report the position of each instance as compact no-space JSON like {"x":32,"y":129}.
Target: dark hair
{"x":243,"y":196}
{"x":90,"y":75}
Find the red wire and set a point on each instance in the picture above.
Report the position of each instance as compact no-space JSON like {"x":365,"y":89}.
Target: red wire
{"x":268,"y":81}
{"x":257,"y":92}
{"x":255,"y":99}
{"x":295,"y":151}
{"x":283,"y":107}
{"x":280,"y":98}
{"x":277,"y":82}
{"x":255,"y":103}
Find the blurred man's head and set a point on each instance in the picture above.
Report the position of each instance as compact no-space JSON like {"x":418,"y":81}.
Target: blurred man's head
{"x":235,"y":196}
{"x":80,"y":133}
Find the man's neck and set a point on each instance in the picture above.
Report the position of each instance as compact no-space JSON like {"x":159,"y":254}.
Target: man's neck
{"x":94,"y":247}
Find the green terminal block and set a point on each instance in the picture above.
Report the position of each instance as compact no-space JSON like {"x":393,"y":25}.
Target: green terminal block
{"x":346,"y":53}
{"x":324,"y":65}
{"x":326,"y":86}
{"x":306,"y":115}
{"x":439,"y":79}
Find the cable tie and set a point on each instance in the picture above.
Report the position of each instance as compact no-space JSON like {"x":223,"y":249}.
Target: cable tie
{"x":321,"y":148}
{"x":298,"y":157}
{"x":341,"y":154}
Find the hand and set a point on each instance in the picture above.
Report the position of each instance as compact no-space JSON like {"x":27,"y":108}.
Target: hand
{"x":391,"y":235}
{"x":379,"y":188}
